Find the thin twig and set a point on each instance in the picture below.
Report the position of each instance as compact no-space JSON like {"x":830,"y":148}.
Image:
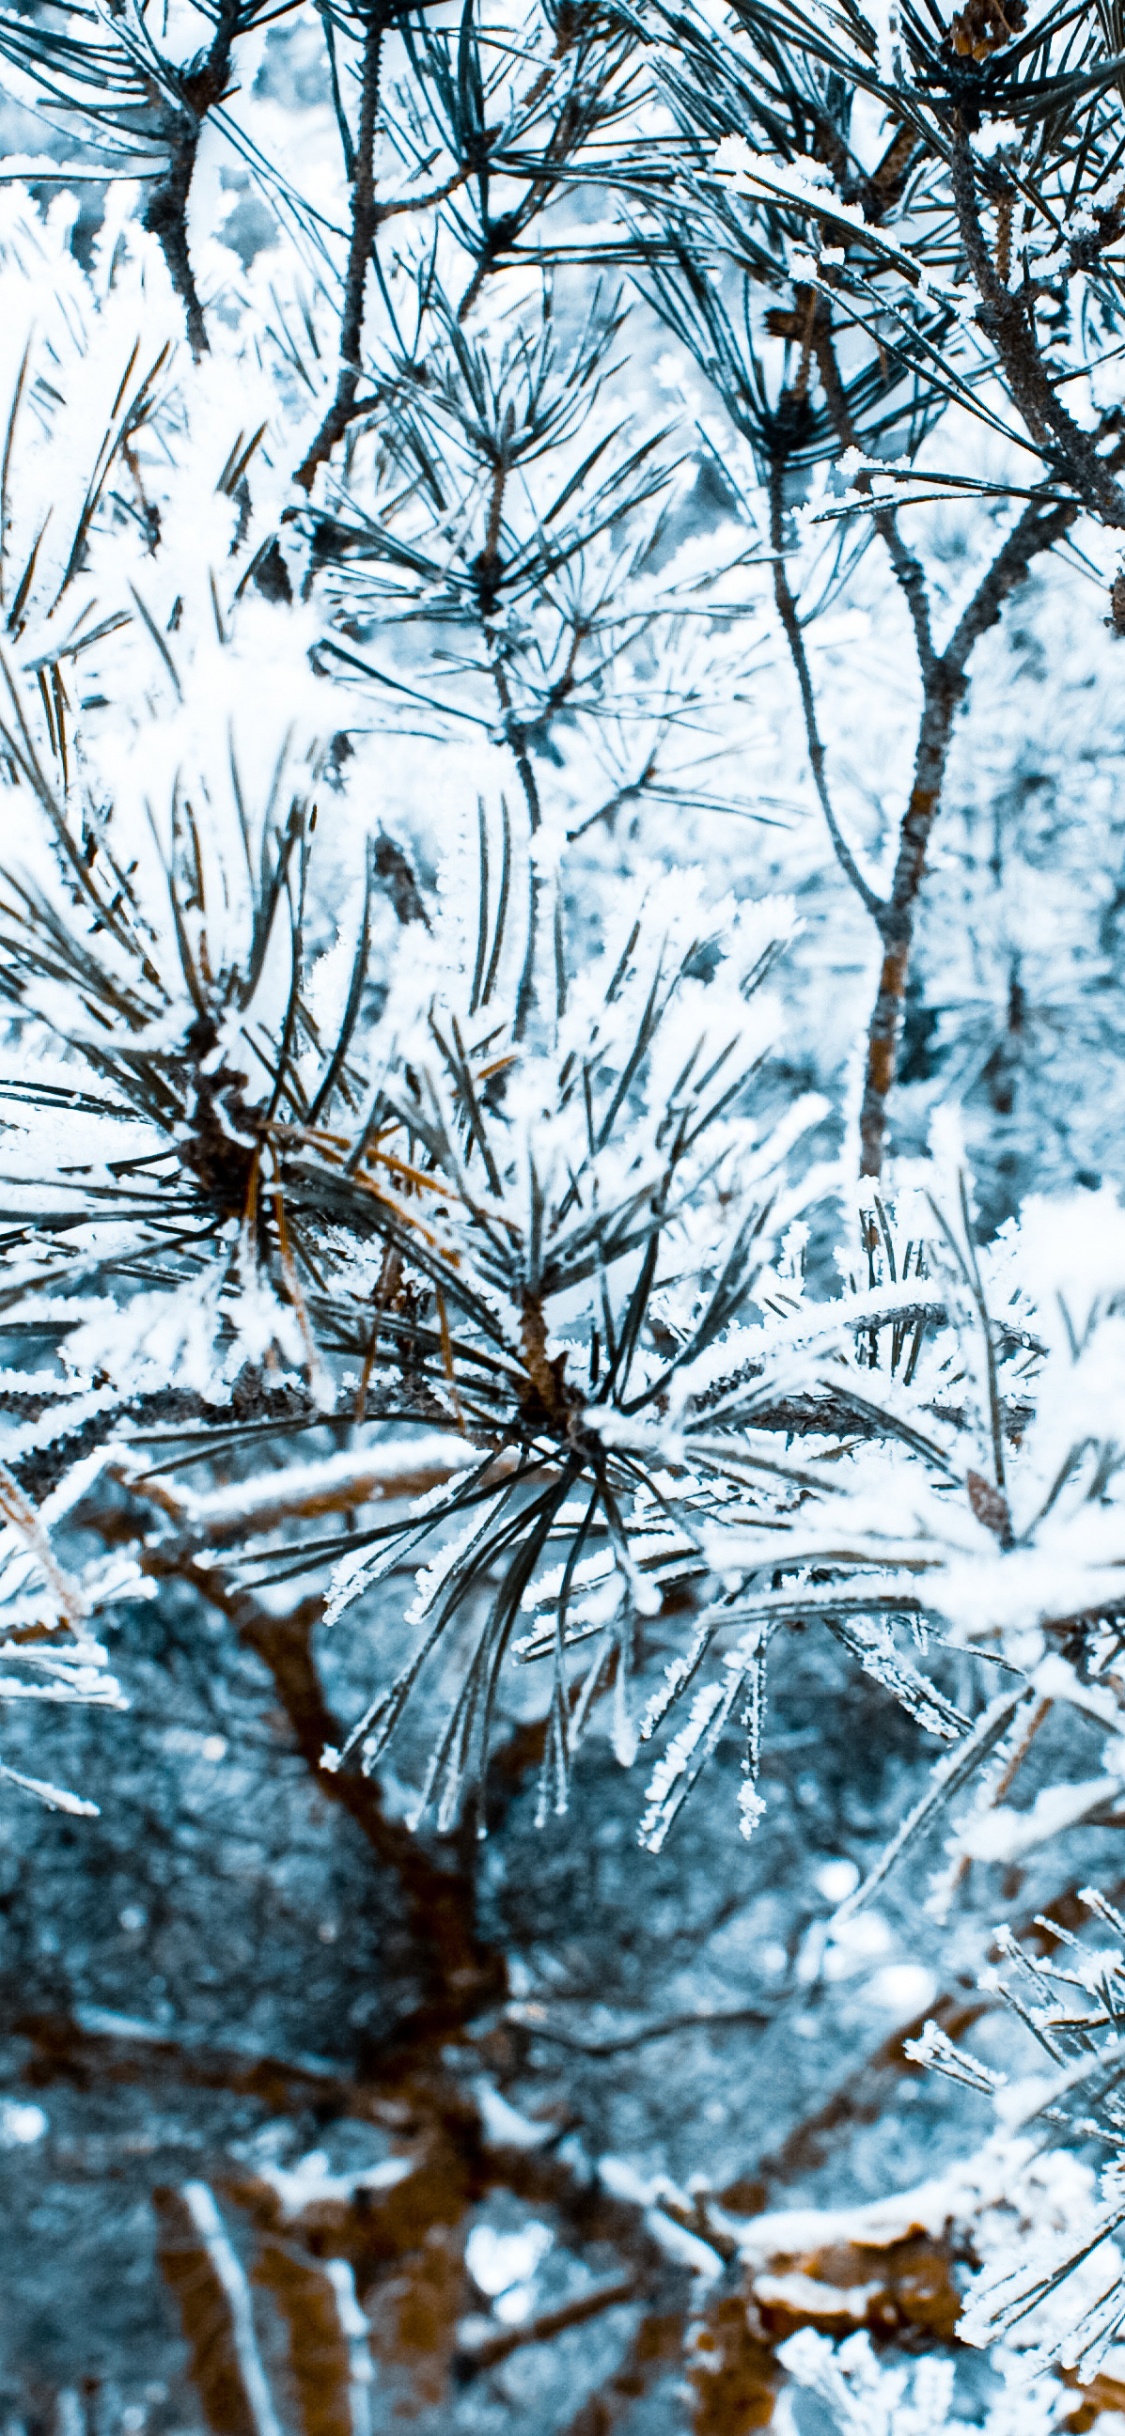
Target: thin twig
{"x":1037,"y":530}
{"x":492,"y":2348}
{"x":752,"y":2017}
{"x":364,"y":226}
{"x":791,"y":624}
{"x":200,"y":88}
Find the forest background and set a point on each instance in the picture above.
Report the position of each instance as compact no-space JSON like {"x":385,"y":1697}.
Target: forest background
{"x":561,"y":897}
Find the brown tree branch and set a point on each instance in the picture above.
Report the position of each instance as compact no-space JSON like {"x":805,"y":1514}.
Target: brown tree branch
{"x":200,"y":87}
{"x":204,"y":2271}
{"x":494,"y":2347}
{"x":91,"y":2045}
{"x":1007,"y":317}
{"x":365,"y":221}
{"x":1038,"y":529}
{"x":943,"y":674}
{"x":460,"y":1974}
